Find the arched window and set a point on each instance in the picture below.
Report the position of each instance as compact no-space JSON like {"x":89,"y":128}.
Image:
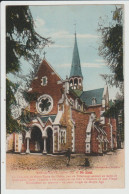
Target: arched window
{"x":63,"y":136}
{"x":80,"y":82}
{"x":71,"y":83}
{"x":75,"y":81}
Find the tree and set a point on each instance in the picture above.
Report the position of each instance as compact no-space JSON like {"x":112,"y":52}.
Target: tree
{"x":112,"y":47}
{"x":112,"y":51}
{"x":21,"y":41}
{"x":116,"y":111}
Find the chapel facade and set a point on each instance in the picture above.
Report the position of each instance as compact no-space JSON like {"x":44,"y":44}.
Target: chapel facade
{"x":66,"y":115}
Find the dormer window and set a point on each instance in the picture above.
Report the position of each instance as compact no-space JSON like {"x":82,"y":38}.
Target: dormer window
{"x":94,"y":101}
{"x":44,"y":81}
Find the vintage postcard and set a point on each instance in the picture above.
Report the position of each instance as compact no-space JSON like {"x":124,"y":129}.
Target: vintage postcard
{"x":63,"y":96}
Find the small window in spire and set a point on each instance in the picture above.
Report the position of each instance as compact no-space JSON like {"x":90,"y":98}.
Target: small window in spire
{"x":71,"y":83}
{"x":75,"y":81}
{"x":80,"y":82}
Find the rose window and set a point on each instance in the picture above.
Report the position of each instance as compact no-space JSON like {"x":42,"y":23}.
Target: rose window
{"x":44,"y":104}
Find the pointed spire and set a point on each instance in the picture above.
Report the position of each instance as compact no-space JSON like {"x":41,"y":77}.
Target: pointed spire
{"x":76,"y":66}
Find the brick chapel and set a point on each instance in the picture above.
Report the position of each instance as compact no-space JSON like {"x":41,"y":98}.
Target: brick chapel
{"x":66,"y":115}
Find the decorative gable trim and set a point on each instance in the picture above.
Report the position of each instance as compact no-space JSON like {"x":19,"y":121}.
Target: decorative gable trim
{"x":41,"y":123}
{"x":49,"y":121}
{"x":59,"y":82}
{"x":53,"y":73}
{"x":30,"y":89}
{"x":36,"y":77}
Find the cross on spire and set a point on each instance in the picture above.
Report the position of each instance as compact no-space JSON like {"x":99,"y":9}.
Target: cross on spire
{"x":75,"y":27}
{"x":44,"y":54}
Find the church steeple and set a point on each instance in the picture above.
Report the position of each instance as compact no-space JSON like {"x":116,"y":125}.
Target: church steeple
{"x":76,"y":67}
{"x":76,"y":72}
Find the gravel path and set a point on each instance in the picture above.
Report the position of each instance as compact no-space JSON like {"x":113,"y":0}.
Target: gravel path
{"x":21,"y":166}
{"x":38,"y":161}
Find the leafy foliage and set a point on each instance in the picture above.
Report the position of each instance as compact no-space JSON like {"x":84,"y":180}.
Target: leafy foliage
{"x":112,"y":46}
{"x":21,"y":37}
{"x":29,"y":96}
{"x":112,"y":51}
{"x":115,"y":108}
{"x":117,"y":111}
{"x":26,"y":117}
{"x":10,"y":99}
{"x":21,"y":41}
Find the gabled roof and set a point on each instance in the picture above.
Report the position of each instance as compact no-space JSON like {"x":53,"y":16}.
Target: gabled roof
{"x":87,"y":96}
{"x":76,"y":66}
{"x":44,"y":61}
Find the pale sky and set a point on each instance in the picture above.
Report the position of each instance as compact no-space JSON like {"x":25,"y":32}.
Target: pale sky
{"x":57,"y":22}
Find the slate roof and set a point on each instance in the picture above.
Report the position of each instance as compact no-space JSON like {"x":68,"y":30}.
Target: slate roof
{"x":45,"y":118}
{"x":87,"y":96}
{"x":76,"y":66}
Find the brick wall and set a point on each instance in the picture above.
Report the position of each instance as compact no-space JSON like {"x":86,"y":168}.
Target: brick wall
{"x":94,"y":141}
{"x":52,"y":88}
{"x":96,"y":109}
{"x":81,"y":120}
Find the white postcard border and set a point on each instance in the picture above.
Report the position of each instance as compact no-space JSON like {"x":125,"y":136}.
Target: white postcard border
{"x":3,"y":96}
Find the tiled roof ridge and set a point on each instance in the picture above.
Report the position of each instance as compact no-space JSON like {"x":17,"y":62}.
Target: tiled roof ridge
{"x":92,"y":90}
{"x":87,"y":112}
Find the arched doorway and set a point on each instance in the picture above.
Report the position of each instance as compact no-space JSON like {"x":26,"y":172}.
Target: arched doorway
{"x":36,"y":141}
{"x":49,"y":140}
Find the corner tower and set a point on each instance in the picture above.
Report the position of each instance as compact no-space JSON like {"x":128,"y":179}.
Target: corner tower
{"x":76,"y":77}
